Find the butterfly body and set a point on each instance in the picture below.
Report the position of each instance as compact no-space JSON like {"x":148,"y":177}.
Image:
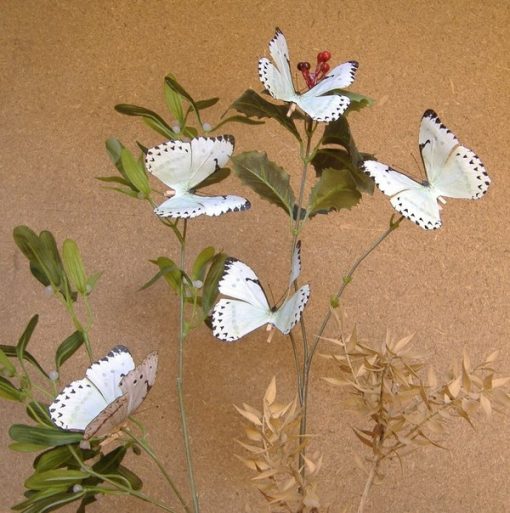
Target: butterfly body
{"x":453,"y":171}
{"x":182,"y":166}
{"x":248,"y":308}
{"x":316,"y":102}
{"x":112,"y":389}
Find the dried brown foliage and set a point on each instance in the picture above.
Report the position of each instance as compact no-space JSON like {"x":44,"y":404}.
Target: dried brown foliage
{"x":274,"y":444}
{"x":408,"y":406}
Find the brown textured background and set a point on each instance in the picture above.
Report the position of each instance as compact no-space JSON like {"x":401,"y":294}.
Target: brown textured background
{"x":64,"y":64}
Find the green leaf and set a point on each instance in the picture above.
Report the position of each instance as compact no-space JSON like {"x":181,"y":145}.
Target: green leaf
{"x":210,"y":288}
{"x":237,"y":119}
{"x":55,"y":478}
{"x":68,"y":347}
{"x":200,"y":264}
{"x":114,"y":148}
{"x":53,"y":261}
{"x":53,"y":458}
{"x":26,"y":447}
{"x":9,"y":391}
{"x":266,"y":178}
{"x":216,"y":177}
{"x":48,"y":500}
{"x":10,"y":351}
{"x":338,"y":158}
{"x":252,"y":104}
{"x":43,"y":436}
{"x":154,"y":120}
{"x":73,"y":265}
{"x":39,"y":413}
{"x":92,"y":280}
{"x":176,"y":87}
{"x":25,"y":338}
{"x":114,"y":179}
{"x":174,"y":103}
{"x":135,"y":482}
{"x":168,"y":270}
{"x":358,"y":101}
{"x":205,"y":104}
{"x":110,"y":462}
{"x":135,"y":172}
{"x":334,"y":190}
{"x":6,"y":367}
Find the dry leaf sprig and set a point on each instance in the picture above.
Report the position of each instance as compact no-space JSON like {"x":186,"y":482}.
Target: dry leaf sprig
{"x":407,"y":405}
{"x":272,"y":438}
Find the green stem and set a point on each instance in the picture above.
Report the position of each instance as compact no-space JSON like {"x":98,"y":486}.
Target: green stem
{"x":180,"y":378}
{"x":348,"y":277}
{"x":148,"y":450}
{"x":125,"y":489}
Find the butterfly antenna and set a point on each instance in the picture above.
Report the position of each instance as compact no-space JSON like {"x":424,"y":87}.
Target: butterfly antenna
{"x":420,"y":168}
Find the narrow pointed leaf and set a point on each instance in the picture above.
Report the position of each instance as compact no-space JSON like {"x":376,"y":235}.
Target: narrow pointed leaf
{"x":174,"y":103}
{"x":73,"y":265}
{"x":210,"y":288}
{"x":335,"y":190}
{"x":11,"y":352}
{"x":200,"y":264}
{"x":55,"y":477}
{"x":266,"y":178}
{"x":244,"y":120}
{"x":44,"y":436}
{"x":6,"y":367}
{"x":25,"y":337}
{"x":175,"y":86}
{"x":135,"y":172}
{"x":205,"y":104}
{"x":9,"y":391}
{"x":38,"y":412}
{"x":53,"y":458}
{"x":68,"y":347}
{"x":156,"y":121}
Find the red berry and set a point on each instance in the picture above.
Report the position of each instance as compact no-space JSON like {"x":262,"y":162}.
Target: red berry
{"x":325,"y":67}
{"x":303,"y":66}
{"x":323,"y":56}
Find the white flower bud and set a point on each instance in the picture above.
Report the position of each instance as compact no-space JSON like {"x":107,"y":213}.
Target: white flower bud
{"x":207,"y":127}
{"x":77,"y":488}
{"x":53,"y":375}
{"x":176,"y":129}
{"x":198,"y":284}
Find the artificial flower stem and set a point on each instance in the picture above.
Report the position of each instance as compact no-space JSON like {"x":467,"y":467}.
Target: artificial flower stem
{"x":148,"y":450}
{"x":180,"y":377}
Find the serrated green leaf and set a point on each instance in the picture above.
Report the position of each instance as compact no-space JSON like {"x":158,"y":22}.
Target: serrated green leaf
{"x":210,"y":288}
{"x":25,"y":338}
{"x":135,"y":172}
{"x":154,"y":120}
{"x":55,"y":478}
{"x":43,"y":436}
{"x":267,"y":179}
{"x":338,"y":158}
{"x":9,"y":391}
{"x":200,"y":264}
{"x":73,"y":265}
{"x":335,"y":190}
{"x":68,"y":347}
{"x":10,"y":351}
{"x":53,"y":458}
{"x":252,"y":104}
{"x":174,"y":103}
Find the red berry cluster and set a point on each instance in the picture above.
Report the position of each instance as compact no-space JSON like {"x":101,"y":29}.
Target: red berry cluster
{"x":321,"y":69}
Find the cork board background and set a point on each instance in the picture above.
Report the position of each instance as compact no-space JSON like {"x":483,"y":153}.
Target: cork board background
{"x":64,"y":64}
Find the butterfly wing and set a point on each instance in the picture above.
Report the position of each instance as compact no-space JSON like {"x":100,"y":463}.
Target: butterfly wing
{"x":107,"y":373}
{"x":296,"y":264}
{"x":77,"y":405}
{"x":240,"y":282}
{"x":452,"y":169}
{"x":276,"y":78}
{"x":338,"y":78}
{"x":136,"y":384}
{"x":233,"y":319}
{"x":289,"y":313}
{"x":183,"y":165}
{"x":413,"y":200}
{"x":322,"y":108}
{"x":108,"y":419}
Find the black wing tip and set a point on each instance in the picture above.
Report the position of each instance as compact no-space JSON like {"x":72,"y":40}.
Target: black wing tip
{"x":430,"y":113}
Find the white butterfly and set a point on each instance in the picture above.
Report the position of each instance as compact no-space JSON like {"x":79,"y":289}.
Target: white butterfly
{"x":452,"y":170}
{"x":278,"y":82}
{"x":111,"y":391}
{"x":184,"y":165}
{"x":249,"y":308}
